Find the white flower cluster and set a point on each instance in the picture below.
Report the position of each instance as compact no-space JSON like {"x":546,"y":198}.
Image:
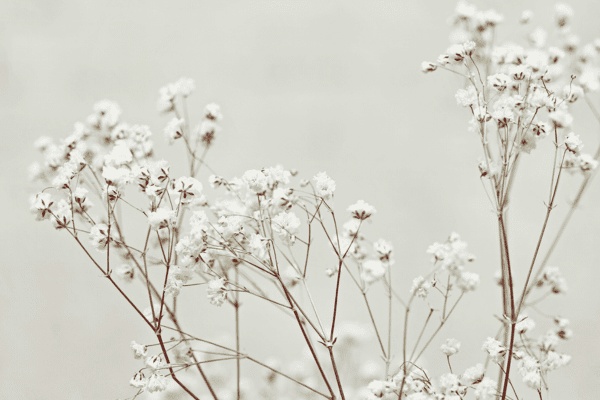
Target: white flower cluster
{"x":452,"y":256}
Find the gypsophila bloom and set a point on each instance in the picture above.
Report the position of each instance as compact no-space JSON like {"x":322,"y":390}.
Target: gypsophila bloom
{"x":472,"y":375}
{"x":157,"y":383}
{"x":174,"y":130}
{"x":161,"y":218}
{"x":468,"y":281}
{"x":324,"y":185}
{"x":420,"y":287}
{"x":40,"y":206}
{"x":552,"y":277}
{"x":361,"y":210}
{"x":573,"y":143}
{"x":562,"y":328}
{"x":138,"y":381}
{"x":213,"y":111}
{"x":256,"y":180}
{"x":287,"y":225}
{"x":449,"y":383}
{"x":139,"y":350}
{"x":380,"y":388}
{"x":217,"y":292}
{"x":427,"y":66}
{"x":384,"y":249}
{"x":155,"y":362}
{"x":451,"y":347}
{"x":524,"y":325}
{"x":185,"y":86}
{"x":495,"y":349}
{"x":587,"y":162}
{"x":529,"y":368}
{"x":499,"y":81}
{"x":486,"y":390}
{"x":189,"y":189}
{"x":99,"y":236}
{"x":562,"y":13}
{"x":372,"y":270}
{"x":125,"y":272}
{"x":526,"y":16}
{"x":554,"y":361}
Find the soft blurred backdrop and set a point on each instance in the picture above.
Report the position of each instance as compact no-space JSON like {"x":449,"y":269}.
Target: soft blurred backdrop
{"x":329,"y":86}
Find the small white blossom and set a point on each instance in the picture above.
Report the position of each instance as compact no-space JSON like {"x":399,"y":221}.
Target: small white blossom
{"x":256,"y":181}
{"x":486,"y":390}
{"x":287,"y":225}
{"x":139,"y":350}
{"x":361,"y":210}
{"x":99,"y":236}
{"x":161,"y":218}
{"x":372,"y":270}
{"x":324,"y":185}
{"x":573,"y":143}
{"x":420,"y":287}
{"x":499,"y":81}
{"x":138,"y":381}
{"x":217,"y":292}
{"x":427,"y":66}
{"x":494,"y":349}
{"x":213,"y":111}
{"x":451,"y":347}
{"x":174,"y":130}
{"x":157,"y":383}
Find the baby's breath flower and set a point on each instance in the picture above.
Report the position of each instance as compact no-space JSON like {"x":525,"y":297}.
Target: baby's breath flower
{"x":552,"y":277}
{"x":207,"y":131}
{"x":40,"y":206}
{"x":361,"y":210}
{"x":562,"y":328}
{"x":466,"y":97}
{"x":188,"y":189}
{"x":381,"y":388}
{"x":524,"y":326}
{"x":256,"y":181}
{"x":287,"y":225}
{"x":554,"y":361}
{"x":99,"y":236}
{"x":155,"y":362}
{"x":138,"y":381}
{"x":468,"y":281}
{"x":562,"y":14}
{"x":324,"y":185}
{"x":449,"y":383}
{"x":384,"y":249}
{"x":372,"y":270}
{"x":139,"y":350}
{"x":125,"y":272}
{"x":161,"y":218}
{"x":526,"y":17}
{"x":472,"y":375}
{"x":573,"y":143}
{"x":213,"y":111}
{"x":277,"y":175}
{"x":157,"y":383}
{"x":217,"y":292}
{"x":451,"y":347}
{"x":174,"y":130}
{"x":420,"y":287}
{"x":427,"y":66}
{"x":529,"y":368}
{"x":499,"y":81}
{"x":486,"y":390}
{"x":185,"y":86}
{"x":495,"y":349}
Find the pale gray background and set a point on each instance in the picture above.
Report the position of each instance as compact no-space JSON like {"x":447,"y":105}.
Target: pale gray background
{"x":316,"y":85}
